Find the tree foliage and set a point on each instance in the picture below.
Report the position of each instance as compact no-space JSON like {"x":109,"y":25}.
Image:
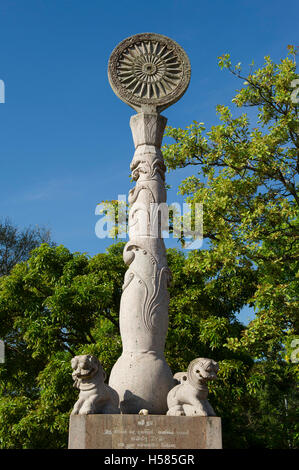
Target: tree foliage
{"x":54,"y":306}
{"x":246,"y":178}
{"x":16,"y":244}
{"x":58,"y":304}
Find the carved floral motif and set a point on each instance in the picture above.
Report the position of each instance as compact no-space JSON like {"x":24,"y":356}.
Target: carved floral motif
{"x":149,"y":69}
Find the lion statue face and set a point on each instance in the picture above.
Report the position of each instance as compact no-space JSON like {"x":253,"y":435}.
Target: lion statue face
{"x":85,"y":368}
{"x":202,"y":370}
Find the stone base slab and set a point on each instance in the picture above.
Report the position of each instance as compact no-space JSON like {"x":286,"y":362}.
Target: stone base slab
{"x":144,"y":432}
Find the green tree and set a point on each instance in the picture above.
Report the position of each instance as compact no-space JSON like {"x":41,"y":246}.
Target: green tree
{"x":246,"y":177}
{"x":52,"y":307}
{"x":16,"y":244}
{"x":58,"y":304}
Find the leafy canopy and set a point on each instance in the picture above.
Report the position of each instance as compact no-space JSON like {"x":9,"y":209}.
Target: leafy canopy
{"x":246,"y":178}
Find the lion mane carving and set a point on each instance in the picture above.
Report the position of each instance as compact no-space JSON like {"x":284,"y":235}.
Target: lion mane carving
{"x":95,"y":396}
{"x":189,"y":397}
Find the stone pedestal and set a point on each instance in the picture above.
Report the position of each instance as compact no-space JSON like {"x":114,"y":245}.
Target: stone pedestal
{"x":144,"y":432}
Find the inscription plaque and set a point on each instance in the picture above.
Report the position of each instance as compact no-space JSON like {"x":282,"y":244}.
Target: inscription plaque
{"x":144,"y":432}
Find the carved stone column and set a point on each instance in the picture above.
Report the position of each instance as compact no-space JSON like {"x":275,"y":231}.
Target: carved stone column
{"x":149,"y":72}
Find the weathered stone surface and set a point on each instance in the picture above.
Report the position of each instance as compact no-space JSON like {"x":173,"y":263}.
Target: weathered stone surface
{"x":144,"y":432}
{"x":148,"y":129}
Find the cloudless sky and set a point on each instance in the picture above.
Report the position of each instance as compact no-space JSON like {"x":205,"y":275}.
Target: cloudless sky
{"x":65,"y":141}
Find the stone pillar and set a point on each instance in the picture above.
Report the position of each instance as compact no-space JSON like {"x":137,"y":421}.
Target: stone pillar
{"x":149,"y":72}
{"x":141,"y":375}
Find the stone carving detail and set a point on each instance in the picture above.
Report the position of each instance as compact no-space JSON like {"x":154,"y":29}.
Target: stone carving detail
{"x":150,"y":281}
{"x":148,"y":130}
{"x":95,"y":396}
{"x":189,"y":397}
{"x":149,"y":70}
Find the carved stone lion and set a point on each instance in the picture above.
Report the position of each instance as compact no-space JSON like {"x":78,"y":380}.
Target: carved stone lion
{"x":189,"y":397}
{"x":95,"y":396}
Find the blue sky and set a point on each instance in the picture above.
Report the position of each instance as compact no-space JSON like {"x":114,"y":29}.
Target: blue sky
{"x":65,"y":139}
